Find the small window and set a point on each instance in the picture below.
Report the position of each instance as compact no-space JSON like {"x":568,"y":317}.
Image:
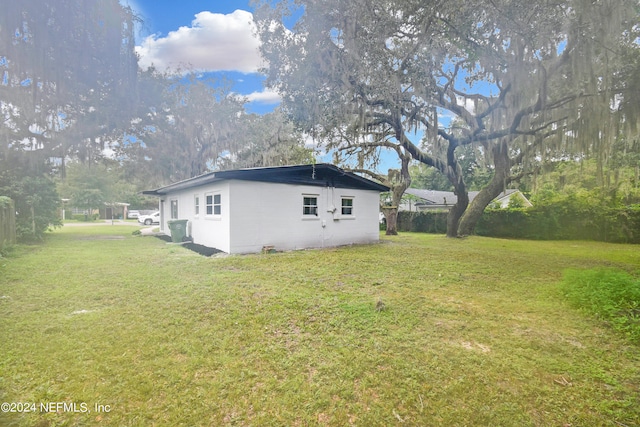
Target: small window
{"x":217,"y":206}
{"x":213,"y":204}
{"x":347,"y":206}
{"x":174,"y":209}
{"x":196,"y":205}
{"x":209,"y":203}
{"x":310,"y":205}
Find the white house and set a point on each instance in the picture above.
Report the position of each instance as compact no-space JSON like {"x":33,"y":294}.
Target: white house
{"x":289,"y":207}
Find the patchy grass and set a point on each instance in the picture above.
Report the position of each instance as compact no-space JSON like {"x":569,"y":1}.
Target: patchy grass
{"x":607,"y":294}
{"x":474,"y":332}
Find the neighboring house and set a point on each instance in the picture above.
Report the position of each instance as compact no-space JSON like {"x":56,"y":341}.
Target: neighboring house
{"x":289,"y":207}
{"x":117,"y":210}
{"x":444,"y":200}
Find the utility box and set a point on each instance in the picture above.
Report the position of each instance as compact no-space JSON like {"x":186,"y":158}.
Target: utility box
{"x":178,"y":229}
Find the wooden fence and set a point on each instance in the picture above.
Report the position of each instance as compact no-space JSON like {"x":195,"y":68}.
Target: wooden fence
{"x":7,"y":222}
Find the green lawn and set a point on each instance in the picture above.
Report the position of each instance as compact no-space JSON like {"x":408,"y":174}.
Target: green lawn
{"x":474,"y":332}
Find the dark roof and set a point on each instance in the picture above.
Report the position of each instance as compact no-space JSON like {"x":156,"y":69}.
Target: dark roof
{"x":321,"y":175}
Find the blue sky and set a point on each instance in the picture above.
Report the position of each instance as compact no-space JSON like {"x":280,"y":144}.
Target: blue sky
{"x":213,"y":37}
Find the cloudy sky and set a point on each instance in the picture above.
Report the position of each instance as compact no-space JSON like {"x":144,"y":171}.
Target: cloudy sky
{"x":208,"y":36}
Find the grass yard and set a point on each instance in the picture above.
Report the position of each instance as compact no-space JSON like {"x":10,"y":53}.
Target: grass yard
{"x":475,"y":332}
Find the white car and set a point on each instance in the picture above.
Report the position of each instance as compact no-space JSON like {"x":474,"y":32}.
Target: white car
{"x":154,"y":218}
{"x":133,"y":214}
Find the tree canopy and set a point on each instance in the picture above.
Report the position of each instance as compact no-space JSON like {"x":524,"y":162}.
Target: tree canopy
{"x":67,"y":79}
{"x":68,"y":74}
{"x":71,"y":93}
{"x":523,"y":80}
{"x":186,"y":126}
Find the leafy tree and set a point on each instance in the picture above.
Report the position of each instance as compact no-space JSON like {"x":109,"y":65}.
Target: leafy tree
{"x":562,"y":179}
{"x":475,"y":173}
{"x":67,"y":77}
{"x":267,"y":140}
{"x":523,"y":79}
{"x":429,"y":178}
{"x":86,"y":185}
{"x":36,"y":202}
{"x":362,"y":155}
{"x":95,"y":185}
{"x":398,"y":180}
{"x":187,"y":126}
{"x":69,"y":74}
{"x":183,"y":132}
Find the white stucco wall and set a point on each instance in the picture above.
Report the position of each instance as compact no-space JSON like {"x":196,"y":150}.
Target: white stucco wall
{"x":207,"y":230}
{"x":257,"y":214}
{"x":266,"y":214}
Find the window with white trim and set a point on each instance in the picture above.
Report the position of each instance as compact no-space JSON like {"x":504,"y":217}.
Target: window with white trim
{"x":217,"y":204}
{"x":196,"y":205}
{"x":310,"y":205}
{"x":174,"y":209}
{"x":213,"y":204}
{"x":347,"y":206}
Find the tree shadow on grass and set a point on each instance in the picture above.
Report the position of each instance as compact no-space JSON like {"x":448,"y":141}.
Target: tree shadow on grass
{"x":202,"y":250}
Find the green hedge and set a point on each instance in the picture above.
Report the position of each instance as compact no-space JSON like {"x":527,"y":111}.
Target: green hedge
{"x":548,"y":222}
{"x":85,"y":217}
{"x":423,"y":222}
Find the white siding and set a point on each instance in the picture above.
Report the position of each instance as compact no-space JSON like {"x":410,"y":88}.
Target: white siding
{"x":257,"y":214}
{"x":267,"y":214}
{"x":207,"y":230}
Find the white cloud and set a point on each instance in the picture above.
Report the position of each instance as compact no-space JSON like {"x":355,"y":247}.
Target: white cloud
{"x":214,"y":42}
{"x":264,"y":97}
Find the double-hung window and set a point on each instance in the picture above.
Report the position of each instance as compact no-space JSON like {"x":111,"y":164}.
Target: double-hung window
{"x":213,"y":204}
{"x":310,"y":206}
{"x":174,"y":209}
{"x":196,"y":205}
{"x":347,"y":206}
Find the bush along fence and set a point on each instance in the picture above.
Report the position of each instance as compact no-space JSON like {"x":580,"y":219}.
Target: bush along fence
{"x":423,"y":222}
{"x":548,"y":222}
{"x":7,"y":222}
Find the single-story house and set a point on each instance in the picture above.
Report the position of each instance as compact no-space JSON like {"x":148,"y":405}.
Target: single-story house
{"x":444,"y":200}
{"x":288,"y":207}
{"x":116,"y":210}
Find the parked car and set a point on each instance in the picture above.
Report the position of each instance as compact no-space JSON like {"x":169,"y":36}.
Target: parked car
{"x":133,"y":214}
{"x":154,"y":218}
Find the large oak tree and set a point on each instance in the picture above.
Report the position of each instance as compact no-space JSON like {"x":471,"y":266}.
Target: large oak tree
{"x":523,"y":79}
{"x":67,"y":82}
{"x":186,"y":125}
{"x":68,"y":71}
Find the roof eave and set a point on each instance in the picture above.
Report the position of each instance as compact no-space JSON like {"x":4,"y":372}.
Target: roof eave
{"x":249,"y":174}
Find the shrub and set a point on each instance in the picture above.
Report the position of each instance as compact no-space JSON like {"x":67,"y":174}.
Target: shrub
{"x":36,"y":203}
{"x":424,"y":221}
{"x":569,"y":219}
{"x":610,"y":295}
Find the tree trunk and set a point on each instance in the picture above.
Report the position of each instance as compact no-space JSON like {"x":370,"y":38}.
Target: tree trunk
{"x":391,"y":216}
{"x":476,"y":208}
{"x":455,"y":177}
{"x":456,"y":212}
{"x":399,"y":182}
{"x":488,"y":193}
{"x":33,"y":221}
